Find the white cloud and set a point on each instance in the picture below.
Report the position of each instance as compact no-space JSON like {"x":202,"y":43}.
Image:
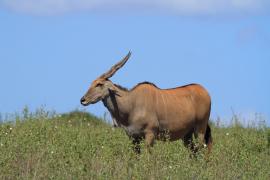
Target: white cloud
{"x":182,"y":7}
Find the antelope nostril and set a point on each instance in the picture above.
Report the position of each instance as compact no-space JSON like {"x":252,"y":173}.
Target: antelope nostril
{"x":82,"y":99}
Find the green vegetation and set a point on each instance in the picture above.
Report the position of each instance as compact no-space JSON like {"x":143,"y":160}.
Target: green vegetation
{"x":77,"y":145}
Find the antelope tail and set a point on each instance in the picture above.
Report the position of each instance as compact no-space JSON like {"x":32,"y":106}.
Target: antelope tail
{"x":208,"y":138}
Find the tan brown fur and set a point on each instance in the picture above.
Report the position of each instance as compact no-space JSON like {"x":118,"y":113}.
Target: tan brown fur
{"x":148,"y":112}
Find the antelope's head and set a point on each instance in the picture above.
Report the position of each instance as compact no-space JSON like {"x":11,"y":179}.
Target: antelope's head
{"x":102,"y":86}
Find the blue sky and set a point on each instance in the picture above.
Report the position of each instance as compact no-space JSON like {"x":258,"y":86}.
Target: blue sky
{"x":50,"y":52}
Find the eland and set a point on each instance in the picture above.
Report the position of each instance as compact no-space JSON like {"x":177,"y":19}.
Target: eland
{"x":148,"y":112}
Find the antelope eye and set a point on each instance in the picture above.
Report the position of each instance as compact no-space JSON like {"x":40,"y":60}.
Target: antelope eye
{"x":99,"y":85}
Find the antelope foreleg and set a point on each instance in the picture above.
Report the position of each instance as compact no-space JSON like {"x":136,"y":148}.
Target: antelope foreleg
{"x":149,"y":140}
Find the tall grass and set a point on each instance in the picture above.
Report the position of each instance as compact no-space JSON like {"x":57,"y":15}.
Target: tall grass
{"x":77,"y":145}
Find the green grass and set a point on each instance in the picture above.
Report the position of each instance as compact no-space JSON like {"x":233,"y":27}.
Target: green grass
{"x":77,"y":145}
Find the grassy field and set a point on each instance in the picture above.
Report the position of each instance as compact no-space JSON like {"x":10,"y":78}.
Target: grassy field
{"x":77,"y":145}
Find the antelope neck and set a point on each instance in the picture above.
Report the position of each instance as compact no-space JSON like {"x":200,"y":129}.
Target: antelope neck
{"x":114,"y":103}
